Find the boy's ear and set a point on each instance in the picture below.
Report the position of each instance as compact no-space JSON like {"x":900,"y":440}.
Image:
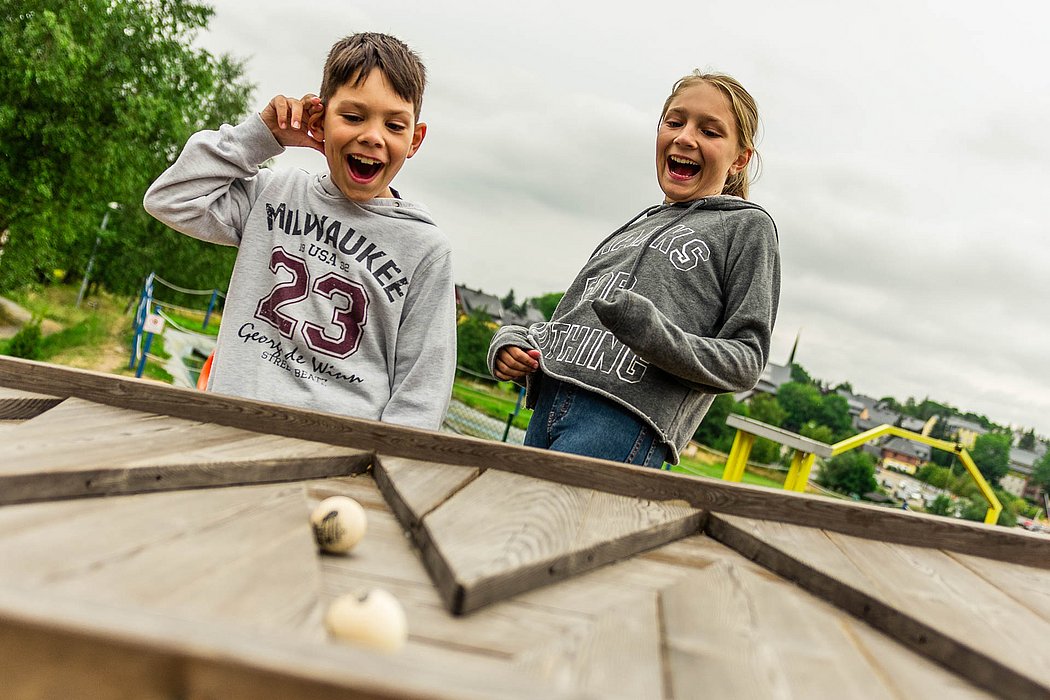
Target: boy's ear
{"x":418,"y":134}
{"x":315,"y":125}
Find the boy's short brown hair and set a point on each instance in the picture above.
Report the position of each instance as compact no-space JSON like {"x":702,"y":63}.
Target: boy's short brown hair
{"x":353,"y":57}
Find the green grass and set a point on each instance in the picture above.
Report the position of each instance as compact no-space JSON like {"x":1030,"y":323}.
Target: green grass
{"x":492,"y":401}
{"x":698,"y":467}
{"x":193,"y":322}
{"x":83,"y":330}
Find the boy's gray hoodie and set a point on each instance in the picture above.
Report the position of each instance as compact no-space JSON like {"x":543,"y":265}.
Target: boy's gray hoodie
{"x":333,"y":305}
{"x":673,"y":308}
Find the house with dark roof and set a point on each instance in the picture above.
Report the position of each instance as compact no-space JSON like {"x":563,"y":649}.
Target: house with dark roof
{"x":904,"y":455}
{"x":1018,"y":479}
{"x":963,"y":431}
{"x":531,"y":315}
{"x":470,"y":301}
{"x":916,"y":425}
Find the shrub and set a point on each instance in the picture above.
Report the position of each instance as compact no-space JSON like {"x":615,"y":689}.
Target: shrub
{"x":26,"y":342}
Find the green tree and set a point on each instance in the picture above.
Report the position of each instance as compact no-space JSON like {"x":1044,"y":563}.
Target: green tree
{"x":942,"y":505}
{"x":509,"y":304}
{"x":97,"y":97}
{"x":815,"y":431}
{"x":547,"y":303}
{"x":834,"y":413}
{"x":851,"y":472}
{"x":991,"y":454}
{"x":933,"y":475}
{"x":765,"y":408}
{"x":892,"y":404}
{"x":1027,"y":441}
{"x":473,"y":336}
{"x":799,"y":374}
{"x":801,"y":402}
{"x":973,"y":509}
{"x":1041,"y":472}
{"x":713,"y":430}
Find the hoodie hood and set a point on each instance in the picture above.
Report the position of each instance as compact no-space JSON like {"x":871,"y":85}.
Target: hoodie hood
{"x":394,"y":208}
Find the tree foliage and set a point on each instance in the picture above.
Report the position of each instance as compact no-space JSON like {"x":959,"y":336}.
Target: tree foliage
{"x":473,"y":336}
{"x":713,"y":430}
{"x":547,"y":303}
{"x":851,"y":472}
{"x":991,"y":454}
{"x":1041,"y":472}
{"x":1027,"y":441}
{"x":942,"y":505}
{"x":97,"y":97}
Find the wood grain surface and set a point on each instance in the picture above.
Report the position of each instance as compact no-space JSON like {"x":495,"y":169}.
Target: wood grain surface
{"x":921,"y":597}
{"x":80,"y":448}
{"x":21,"y":405}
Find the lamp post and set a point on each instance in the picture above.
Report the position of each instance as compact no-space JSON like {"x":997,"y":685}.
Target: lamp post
{"x":113,"y":206}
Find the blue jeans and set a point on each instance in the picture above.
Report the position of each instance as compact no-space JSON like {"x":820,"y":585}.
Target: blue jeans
{"x":568,"y":418}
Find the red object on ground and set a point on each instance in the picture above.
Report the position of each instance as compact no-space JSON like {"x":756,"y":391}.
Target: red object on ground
{"x":202,"y":380}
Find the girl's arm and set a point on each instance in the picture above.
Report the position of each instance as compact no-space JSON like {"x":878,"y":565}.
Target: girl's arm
{"x":732,"y":360}
{"x":210,"y":189}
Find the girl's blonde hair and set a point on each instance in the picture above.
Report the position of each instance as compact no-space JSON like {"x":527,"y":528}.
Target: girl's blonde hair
{"x":744,"y":110}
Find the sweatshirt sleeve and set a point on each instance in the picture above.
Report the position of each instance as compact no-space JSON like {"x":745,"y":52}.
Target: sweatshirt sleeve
{"x":731,"y":361}
{"x":425,"y":358}
{"x":209,"y":191}
{"x":507,"y":335}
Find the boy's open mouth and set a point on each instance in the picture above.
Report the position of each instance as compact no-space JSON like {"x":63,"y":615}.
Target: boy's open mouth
{"x":363,"y":168}
{"x":682,"y":167}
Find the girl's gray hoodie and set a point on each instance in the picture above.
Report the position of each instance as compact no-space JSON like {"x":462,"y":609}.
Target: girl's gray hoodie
{"x":676,"y":306}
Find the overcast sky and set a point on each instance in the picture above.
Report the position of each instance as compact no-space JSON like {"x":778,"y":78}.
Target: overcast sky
{"x":904,"y":149}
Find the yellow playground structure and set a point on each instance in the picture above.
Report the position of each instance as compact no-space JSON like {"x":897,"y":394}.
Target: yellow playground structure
{"x":806,"y":452}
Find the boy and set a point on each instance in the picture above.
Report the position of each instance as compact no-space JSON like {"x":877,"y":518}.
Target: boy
{"x":342,"y":297}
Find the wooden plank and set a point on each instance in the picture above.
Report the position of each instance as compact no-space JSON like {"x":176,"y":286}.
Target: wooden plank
{"x":246,"y":555}
{"x":744,"y":500}
{"x":56,"y":647}
{"x":918,"y":596}
{"x":536,"y":532}
{"x":414,"y":488}
{"x":22,"y":405}
{"x":81,"y":448}
{"x":732,"y":631}
{"x":1027,"y":585}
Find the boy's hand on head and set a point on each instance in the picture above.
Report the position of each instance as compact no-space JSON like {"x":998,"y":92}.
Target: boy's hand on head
{"x":514,"y":363}
{"x":290,"y":120}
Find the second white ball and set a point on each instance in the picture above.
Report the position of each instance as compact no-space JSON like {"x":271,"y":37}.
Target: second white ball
{"x":339,"y":523}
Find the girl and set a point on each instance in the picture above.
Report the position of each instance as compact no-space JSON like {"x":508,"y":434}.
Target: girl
{"x":674,"y":307}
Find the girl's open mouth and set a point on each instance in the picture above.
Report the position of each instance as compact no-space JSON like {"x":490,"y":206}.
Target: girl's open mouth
{"x":362,"y":168}
{"x":682,"y":168}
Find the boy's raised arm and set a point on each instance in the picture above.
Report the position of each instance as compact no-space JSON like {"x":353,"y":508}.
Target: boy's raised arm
{"x":209,"y":191}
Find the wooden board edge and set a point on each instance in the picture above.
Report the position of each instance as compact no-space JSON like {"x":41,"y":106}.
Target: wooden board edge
{"x":477,"y":594}
{"x":713,"y":495}
{"x":953,"y":654}
{"x":93,"y":483}
{"x":26,"y":408}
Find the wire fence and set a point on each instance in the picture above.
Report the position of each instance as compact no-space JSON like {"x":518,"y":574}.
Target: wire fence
{"x":464,"y":420}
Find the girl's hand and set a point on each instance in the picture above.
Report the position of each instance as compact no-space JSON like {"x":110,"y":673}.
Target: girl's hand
{"x":290,"y":119}
{"x":513,"y":362}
